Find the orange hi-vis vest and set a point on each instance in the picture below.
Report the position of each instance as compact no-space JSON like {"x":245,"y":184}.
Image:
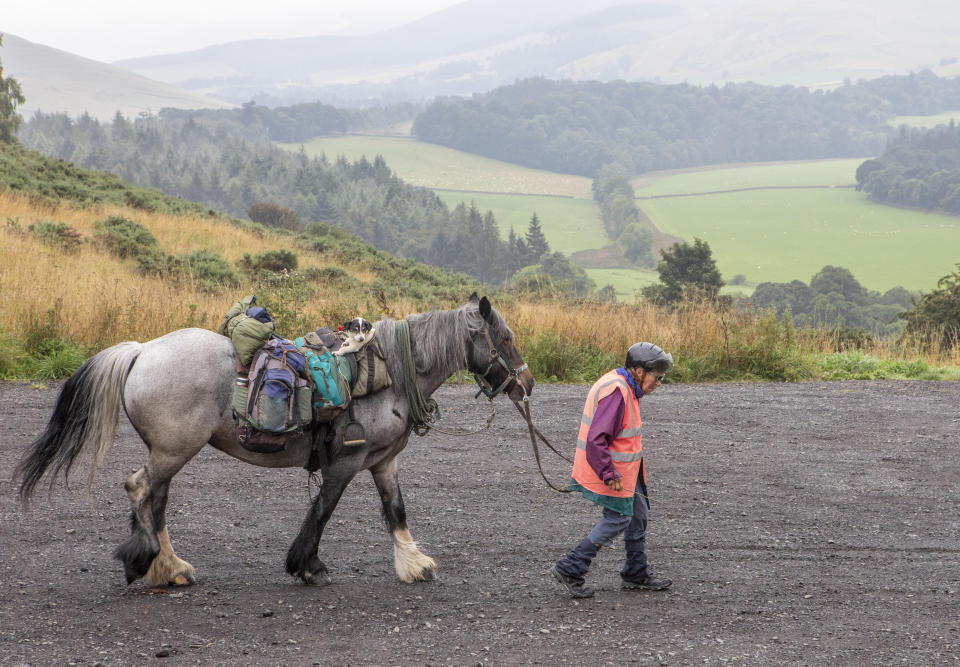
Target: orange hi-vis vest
{"x":626,"y":450}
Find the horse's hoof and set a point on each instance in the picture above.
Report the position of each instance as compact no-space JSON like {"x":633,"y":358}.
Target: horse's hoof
{"x":316,"y":578}
{"x":429,"y":574}
{"x":181,"y":580}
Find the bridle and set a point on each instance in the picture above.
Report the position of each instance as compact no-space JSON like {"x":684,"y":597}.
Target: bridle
{"x":498,"y":357}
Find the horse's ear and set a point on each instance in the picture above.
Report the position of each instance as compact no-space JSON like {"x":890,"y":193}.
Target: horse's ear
{"x":474,"y":298}
{"x":485,"y":308}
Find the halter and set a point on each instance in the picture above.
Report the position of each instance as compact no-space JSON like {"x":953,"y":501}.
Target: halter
{"x":497,"y":356}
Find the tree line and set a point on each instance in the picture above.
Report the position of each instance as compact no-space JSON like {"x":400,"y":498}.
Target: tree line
{"x":834,"y":298}
{"x":299,"y":122}
{"x":621,"y":218}
{"x":920,"y":168}
{"x":577,"y":127}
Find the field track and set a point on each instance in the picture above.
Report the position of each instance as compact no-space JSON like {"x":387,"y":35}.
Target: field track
{"x":810,"y":524}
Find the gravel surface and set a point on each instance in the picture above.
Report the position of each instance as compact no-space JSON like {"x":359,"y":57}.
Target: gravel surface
{"x":814,"y":523}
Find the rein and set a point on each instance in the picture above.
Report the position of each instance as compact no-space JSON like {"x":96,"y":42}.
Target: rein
{"x":425,"y":412}
{"x":534,"y":434}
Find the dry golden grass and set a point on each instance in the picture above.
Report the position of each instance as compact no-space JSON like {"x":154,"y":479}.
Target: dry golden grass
{"x":692,"y":331}
{"x":99,"y":300}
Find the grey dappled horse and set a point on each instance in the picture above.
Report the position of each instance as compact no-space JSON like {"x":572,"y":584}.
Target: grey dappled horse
{"x":177,"y":389}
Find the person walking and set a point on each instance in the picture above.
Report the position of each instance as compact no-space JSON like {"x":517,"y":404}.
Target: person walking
{"x":608,"y":470}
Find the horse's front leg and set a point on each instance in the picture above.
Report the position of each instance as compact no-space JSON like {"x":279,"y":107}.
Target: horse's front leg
{"x":302,"y":559}
{"x":410,"y":563}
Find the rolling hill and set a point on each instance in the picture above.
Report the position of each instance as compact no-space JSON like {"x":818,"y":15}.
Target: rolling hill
{"x":799,"y":42}
{"x":55,"y":81}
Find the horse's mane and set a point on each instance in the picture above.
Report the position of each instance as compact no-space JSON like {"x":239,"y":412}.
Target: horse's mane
{"x":439,"y":338}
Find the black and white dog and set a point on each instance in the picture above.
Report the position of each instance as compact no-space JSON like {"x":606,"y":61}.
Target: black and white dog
{"x":355,"y":334}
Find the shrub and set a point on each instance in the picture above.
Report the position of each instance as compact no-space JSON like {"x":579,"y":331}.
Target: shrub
{"x":284,"y":295}
{"x":273,"y":215}
{"x":124,"y":237}
{"x":554,"y":357}
{"x":207,"y":269}
{"x":12,"y":356}
{"x":151,"y":261}
{"x":272,"y":260}
{"x":142,"y":200}
{"x":57,"y":234}
{"x":326,"y":274}
{"x":58,"y":359}
{"x":935,"y":318}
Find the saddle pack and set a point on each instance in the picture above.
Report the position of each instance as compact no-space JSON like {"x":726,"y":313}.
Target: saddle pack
{"x":284,"y":388}
{"x":274,"y":401}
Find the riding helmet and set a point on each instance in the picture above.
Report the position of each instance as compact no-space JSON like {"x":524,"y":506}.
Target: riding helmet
{"x":649,"y":357}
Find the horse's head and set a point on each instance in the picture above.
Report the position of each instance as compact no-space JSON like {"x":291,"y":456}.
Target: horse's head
{"x":493,"y":358}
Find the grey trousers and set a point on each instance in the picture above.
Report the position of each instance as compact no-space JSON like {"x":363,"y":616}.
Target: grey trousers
{"x":611,"y":524}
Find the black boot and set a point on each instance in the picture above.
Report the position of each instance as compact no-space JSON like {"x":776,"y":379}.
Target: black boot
{"x":636,"y":573}
{"x":569,"y":571}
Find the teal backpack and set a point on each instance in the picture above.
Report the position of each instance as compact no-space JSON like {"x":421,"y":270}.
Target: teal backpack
{"x":331,"y":377}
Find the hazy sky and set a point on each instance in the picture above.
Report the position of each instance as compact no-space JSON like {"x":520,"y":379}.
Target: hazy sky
{"x":109,"y":30}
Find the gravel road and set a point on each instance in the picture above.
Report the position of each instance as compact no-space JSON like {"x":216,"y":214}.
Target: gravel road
{"x":813,"y":523}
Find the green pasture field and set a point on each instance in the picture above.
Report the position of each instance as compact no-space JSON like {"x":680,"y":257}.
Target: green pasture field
{"x":784,"y":235}
{"x":432,"y":166}
{"x":568,"y":224}
{"x":927,"y":121}
{"x":737,"y":176}
{"x":626,"y":282}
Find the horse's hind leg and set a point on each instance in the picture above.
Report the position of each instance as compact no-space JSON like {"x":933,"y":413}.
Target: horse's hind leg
{"x":167,"y":568}
{"x":411,"y":565}
{"x":148,"y":552}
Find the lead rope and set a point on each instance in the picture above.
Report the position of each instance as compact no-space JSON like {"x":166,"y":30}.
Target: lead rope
{"x":534,"y":433}
{"x":536,"y":452}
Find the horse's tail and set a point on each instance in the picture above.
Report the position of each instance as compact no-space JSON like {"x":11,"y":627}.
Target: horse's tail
{"x":87,"y":413}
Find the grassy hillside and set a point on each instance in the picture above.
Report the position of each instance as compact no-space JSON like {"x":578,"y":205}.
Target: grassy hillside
{"x":803,"y":173}
{"x":810,"y":219}
{"x":64,"y":301}
{"x":569,"y":224}
{"x":564,"y":203}
{"x":438,"y":167}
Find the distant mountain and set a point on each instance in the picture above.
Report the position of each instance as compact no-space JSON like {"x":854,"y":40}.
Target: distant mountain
{"x":477,"y":45}
{"x":56,"y":81}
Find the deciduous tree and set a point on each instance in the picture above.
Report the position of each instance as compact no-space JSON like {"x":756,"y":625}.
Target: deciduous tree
{"x":11,"y":96}
{"x":686,"y":270}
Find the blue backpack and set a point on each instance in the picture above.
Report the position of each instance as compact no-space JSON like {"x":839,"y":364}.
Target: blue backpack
{"x":276,"y":403}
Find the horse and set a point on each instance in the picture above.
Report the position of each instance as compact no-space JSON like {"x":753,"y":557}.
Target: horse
{"x":176,"y":391}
